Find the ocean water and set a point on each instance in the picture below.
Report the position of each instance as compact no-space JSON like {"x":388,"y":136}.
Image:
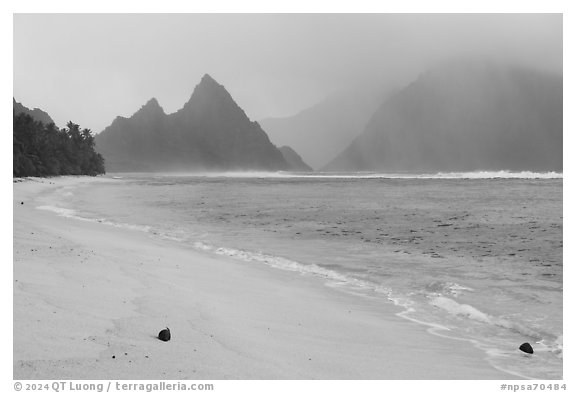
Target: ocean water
{"x":475,"y":257}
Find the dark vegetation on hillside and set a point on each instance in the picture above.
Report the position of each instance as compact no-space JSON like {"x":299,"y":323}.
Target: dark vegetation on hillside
{"x":44,"y":150}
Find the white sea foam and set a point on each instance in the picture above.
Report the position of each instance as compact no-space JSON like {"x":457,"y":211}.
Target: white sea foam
{"x":274,"y":261}
{"x":166,"y":236}
{"x":458,"y":309}
{"x":61,"y":211}
{"x":410,"y":312}
{"x":249,"y":174}
{"x":375,"y":175}
{"x":558,"y":346}
{"x":441,"y":175}
{"x":467,"y":311}
{"x":450,"y":288}
{"x":70,"y":213}
{"x":497,"y":175}
{"x":333,"y":278}
{"x":336,"y":280}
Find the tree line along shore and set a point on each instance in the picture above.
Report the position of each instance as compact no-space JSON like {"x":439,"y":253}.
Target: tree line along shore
{"x":44,"y":150}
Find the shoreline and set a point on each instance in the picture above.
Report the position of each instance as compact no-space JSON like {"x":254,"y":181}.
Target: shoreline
{"x":85,"y":292}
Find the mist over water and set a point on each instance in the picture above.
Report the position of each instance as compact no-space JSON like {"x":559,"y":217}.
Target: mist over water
{"x":371,"y":175}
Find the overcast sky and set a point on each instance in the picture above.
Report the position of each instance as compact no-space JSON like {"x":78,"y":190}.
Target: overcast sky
{"x":91,"y":68}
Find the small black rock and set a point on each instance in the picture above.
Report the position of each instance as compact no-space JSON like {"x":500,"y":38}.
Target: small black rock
{"x":21,"y":203}
{"x":164,"y":335}
{"x":526,"y":347}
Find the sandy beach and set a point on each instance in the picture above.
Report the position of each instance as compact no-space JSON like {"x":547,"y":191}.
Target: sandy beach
{"x":89,"y":300}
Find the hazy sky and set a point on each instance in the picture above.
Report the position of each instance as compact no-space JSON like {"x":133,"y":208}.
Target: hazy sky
{"x":90,"y":68}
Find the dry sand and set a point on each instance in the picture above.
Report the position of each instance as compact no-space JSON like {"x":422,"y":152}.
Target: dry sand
{"x":89,"y":300}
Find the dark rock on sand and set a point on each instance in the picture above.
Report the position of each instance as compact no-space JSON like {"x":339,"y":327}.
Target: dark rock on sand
{"x":526,"y":347}
{"x":164,"y":335}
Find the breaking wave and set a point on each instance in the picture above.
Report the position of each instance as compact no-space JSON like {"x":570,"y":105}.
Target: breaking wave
{"x":280,"y":263}
{"x":376,"y":175}
{"x":467,"y":311}
{"x":442,"y":175}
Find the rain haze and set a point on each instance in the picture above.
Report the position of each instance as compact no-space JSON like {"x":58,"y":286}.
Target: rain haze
{"x":288,"y":196}
{"x":90,"y":68}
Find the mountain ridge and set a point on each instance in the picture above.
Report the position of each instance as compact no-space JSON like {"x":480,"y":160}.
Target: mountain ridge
{"x":36,"y":113}
{"x":323,"y":130}
{"x":464,"y":117}
{"x":210,"y":132}
{"x":294,"y":160}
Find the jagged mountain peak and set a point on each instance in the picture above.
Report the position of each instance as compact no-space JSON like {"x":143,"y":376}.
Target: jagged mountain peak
{"x":151,"y":106}
{"x":208,"y":87}
{"x":207,"y":79}
{"x":211,"y":99}
{"x":210,"y":132}
{"x":152,"y":102}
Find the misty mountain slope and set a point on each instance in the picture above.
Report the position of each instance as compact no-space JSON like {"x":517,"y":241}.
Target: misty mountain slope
{"x":294,"y":160}
{"x":464,"y":117}
{"x":319,"y":133}
{"x":36,"y":114}
{"x":136,"y":142}
{"x":211,"y":132}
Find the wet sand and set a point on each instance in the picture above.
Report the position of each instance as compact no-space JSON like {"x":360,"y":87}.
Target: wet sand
{"x":89,"y":300}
